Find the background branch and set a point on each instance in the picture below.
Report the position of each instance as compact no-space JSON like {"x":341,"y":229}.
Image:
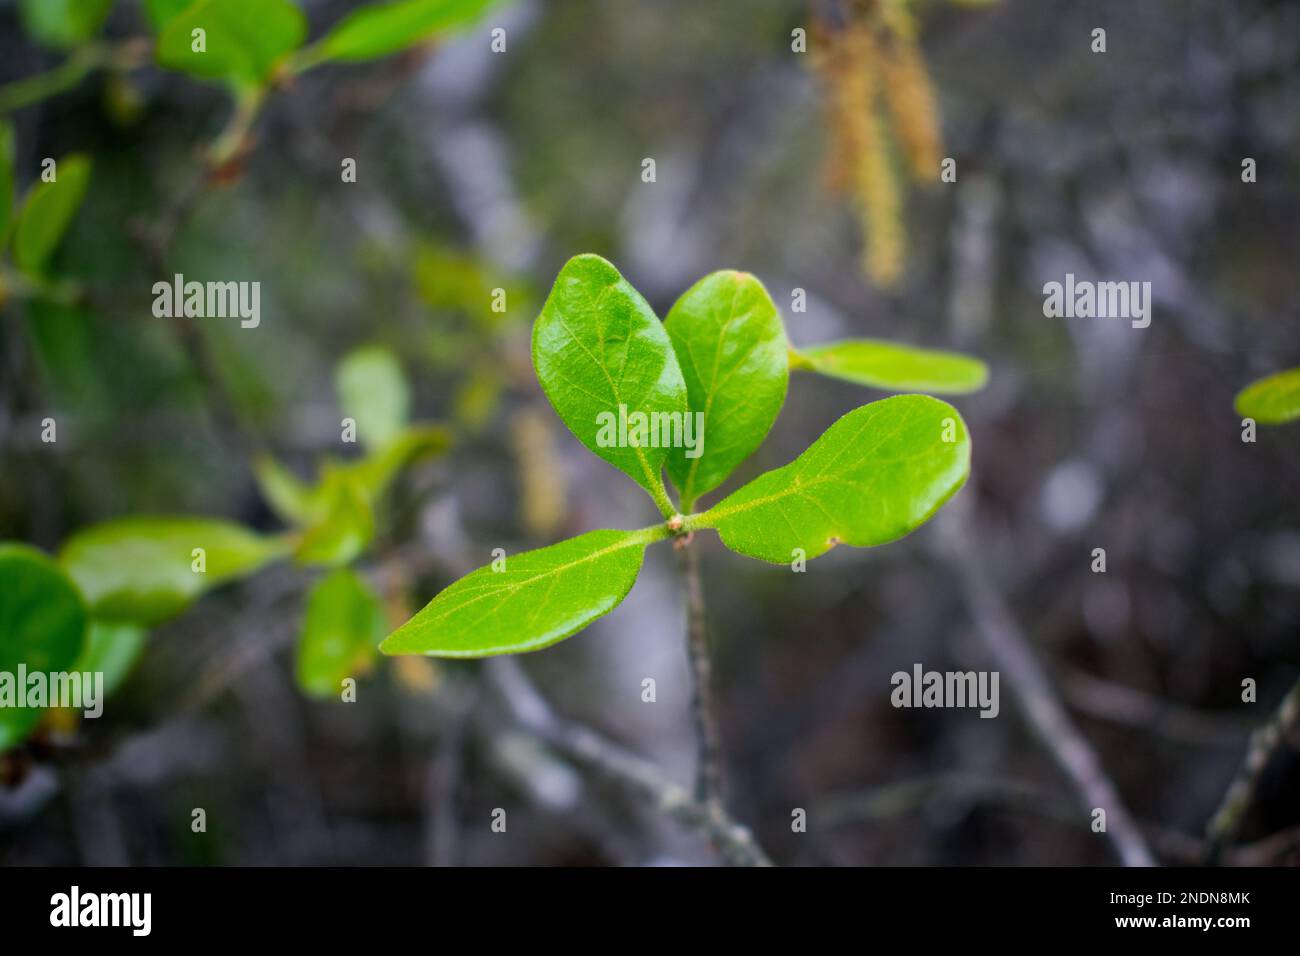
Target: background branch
{"x":732,"y":839}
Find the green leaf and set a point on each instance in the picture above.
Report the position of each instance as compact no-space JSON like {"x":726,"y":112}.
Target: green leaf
{"x":885,"y":365}
{"x":6,"y":178}
{"x":47,"y":213}
{"x":142,"y":569}
{"x":599,"y":351}
{"x":1271,"y":401}
{"x":340,"y":633}
{"x":538,"y":599}
{"x":347,"y":525}
{"x":732,"y":350}
{"x":293,"y":500}
{"x":376,"y":471}
{"x":63,"y":23}
{"x":42,"y":626}
{"x":113,"y":650}
{"x":878,"y":473}
{"x":372,"y":390}
{"x":243,"y":40}
{"x":383,"y":28}
{"x":161,"y":12}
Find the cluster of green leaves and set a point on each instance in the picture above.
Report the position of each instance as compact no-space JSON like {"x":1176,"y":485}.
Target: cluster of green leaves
{"x":873,"y":476}
{"x":91,"y":607}
{"x":247,"y":43}
{"x":1274,"y":400}
{"x":30,"y":231}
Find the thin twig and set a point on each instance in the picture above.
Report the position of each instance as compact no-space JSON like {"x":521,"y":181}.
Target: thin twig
{"x":732,"y":839}
{"x":1039,"y":702}
{"x":708,"y":760}
{"x":1227,"y":820}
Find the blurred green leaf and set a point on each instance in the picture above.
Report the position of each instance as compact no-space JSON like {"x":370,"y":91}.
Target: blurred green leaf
{"x":295,"y":501}
{"x":372,"y":390}
{"x":876,"y":474}
{"x":377,"y":470}
{"x":600,"y":351}
{"x":732,"y":350}
{"x":142,"y":569}
{"x":381,"y":29}
{"x":539,"y":598}
{"x":47,"y":213}
{"x":6,"y":178}
{"x":1274,"y":400}
{"x":347,"y":524}
{"x":113,"y":650}
{"x":63,"y":23}
{"x":340,"y":632}
{"x":42,"y":626}
{"x":161,"y":12}
{"x":243,"y":40}
{"x":886,"y":365}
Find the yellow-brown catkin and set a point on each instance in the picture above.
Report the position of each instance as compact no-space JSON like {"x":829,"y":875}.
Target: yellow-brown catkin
{"x":875,"y":181}
{"x":828,"y":63}
{"x":910,"y":95}
{"x":542,"y":489}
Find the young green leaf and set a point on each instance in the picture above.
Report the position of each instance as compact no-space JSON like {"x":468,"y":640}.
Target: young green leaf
{"x":143,"y":570}
{"x":1274,"y":400}
{"x":605,"y":362}
{"x":340,"y":633}
{"x":295,"y":501}
{"x":372,"y":390}
{"x":878,"y":473}
{"x":376,"y":471}
{"x":6,"y":178}
{"x":112,"y":650}
{"x":380,"y":29}
{"x":47,"y":212}
{"x":242,"y":41}
{"x":161,"y":12}
{"x":63,"y":23}
{"x":885,"y":365}
{"x":347,"y":524}
{"x":537,"y":599}
{"x":732,"y":350}
{"x":42,"y":626}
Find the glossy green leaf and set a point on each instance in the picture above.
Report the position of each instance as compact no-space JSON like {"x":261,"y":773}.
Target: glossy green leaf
{"x":42,"y":627}
{"x":161,"y":12}
{"x":539,"y":598}
{"x":603,"y":357}
{"x":340,"y":633}
{"x":63,"y":23}
{"x":142,"y":570}
{"x":6,"y":179}
{"x":243,"y":40}
{"x":732,"y":351}
{"x":113,"y":650}
{"x":372,"y":390}
{"x":381,"y":29}
{"x":879,"y":472}
{"x":1271,"y":401}
{"x":347,"y":524}
{"x":47,"y":213}
{"x":894,"y":367}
